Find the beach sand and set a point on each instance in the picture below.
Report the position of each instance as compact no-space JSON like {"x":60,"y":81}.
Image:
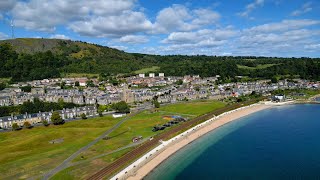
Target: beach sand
{"x":172,"y":148}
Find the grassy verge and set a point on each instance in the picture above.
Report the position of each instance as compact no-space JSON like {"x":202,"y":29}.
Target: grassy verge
{"x":79,"y":75}
{"x":147,"y":70}
{"x":260,"y":66}
{"x":28,"y":153}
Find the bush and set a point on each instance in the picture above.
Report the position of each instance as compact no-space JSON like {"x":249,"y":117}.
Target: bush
{"x":26,"y":124}
{"x":83,"y":116}
{"x":156,"y":104}
{"x":56,"y":118}
{"x":45,"y":123}
{"x":15,"y":127}
{"x":121,"y":107}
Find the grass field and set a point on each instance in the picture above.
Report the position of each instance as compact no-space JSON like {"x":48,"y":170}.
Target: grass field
{"x":260,"y":66}
{"x":4,"y":80}
{"x":139,"y":125}
{"x":84,"y":170}
{"x":194,"y":108}
{"x":147,"y":70}
{"x":79,"y":75}
{"x":28,"y":153}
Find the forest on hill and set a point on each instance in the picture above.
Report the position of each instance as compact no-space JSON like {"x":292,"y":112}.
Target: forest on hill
{"x":30,"y":59}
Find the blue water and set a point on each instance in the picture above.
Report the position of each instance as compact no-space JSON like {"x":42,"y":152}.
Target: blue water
{"x":277,"y":143}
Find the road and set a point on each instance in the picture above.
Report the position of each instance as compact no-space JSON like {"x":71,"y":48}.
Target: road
{"x":67,"y":161}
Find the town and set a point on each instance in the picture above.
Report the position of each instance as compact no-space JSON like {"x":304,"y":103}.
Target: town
{"x":138,"y":91}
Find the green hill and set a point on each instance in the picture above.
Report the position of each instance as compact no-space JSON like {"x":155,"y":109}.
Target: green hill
{"x":76,"y":49}
{"x":25,"y":59}
{"x":65,"y":57}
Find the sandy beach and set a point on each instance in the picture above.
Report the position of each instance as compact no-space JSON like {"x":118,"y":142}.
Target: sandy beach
{"x":172,"y":148}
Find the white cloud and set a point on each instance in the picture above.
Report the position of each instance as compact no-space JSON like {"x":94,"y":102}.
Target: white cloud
{"x":7,"y":5}
{"x":180,"y":18}
{"x":286,"y":38}
{"x":250,"y":7}
{"x":45,"y":15}
{"x":134,"y":39}
{"x":312,"y":47}
{"x":126,"y":23}
{"x":3,"y":36}
{"x":122,"y":48}
{"x":284,"y":25}
{"x":203,"y":37}
{"x":205,"y":17}
{"x":306,"y":7}
{"x":59,"y":36}
{"x":205,"y":41}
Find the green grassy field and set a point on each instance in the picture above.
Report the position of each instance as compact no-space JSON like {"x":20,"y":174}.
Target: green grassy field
{"x":79,"y":75}
{"x":84,"y":170}
{"x":194,"y":108}
{"x":147,"y":70}
{"x":28,"y":153}
{"x":260,"y":66}
{"x":139,"y":125}
{"x":4,"y":80}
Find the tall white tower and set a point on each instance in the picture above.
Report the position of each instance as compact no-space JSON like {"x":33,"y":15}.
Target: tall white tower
{"x":12,"y":29}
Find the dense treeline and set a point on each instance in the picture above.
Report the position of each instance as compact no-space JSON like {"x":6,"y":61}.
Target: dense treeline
{"x":78,"y":57}
{"x":23,"y":67}
{"x":305,"y":68}
{"x":34,"y":107}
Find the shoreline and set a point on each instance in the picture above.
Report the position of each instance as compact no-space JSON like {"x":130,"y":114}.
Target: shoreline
{"x":144,"y":165}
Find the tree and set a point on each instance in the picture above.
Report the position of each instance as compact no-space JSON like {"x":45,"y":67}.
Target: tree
{"x":63,"y":85}
{"x":179,"y":82}
{"x":274,"y":79}
{"x":83,"y":116}
{"x":26,"y":124}
{"x":56,"y":118}
{"x":26,"y":88}
{"x":15,"y":127}
{"x":77,"y":83}
{"x":45,"y":123}
{"x":121,"y":107}
{"x":156,"y":104}
{"x":2,"y":86}
{"x":100,"y":114}
{"x":90,"y":83}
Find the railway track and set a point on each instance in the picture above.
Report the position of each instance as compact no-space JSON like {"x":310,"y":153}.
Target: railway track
{"x":145,"y":147}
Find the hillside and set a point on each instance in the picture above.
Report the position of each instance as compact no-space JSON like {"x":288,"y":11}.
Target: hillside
{"x":33,"y":45}
{"x":70,"y":57}
{"x":26,"y":59}
{"x":75,"y":49}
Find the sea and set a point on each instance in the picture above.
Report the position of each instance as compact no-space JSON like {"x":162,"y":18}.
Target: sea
{"x":282,"y":142}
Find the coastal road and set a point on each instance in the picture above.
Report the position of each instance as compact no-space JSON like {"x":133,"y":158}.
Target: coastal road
{"x":67,"y":161}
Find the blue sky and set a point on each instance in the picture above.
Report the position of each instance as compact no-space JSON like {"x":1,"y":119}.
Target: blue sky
{"x":287,"y":28}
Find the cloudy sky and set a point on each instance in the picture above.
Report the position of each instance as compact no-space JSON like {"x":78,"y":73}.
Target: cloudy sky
{"x":213,"y":27}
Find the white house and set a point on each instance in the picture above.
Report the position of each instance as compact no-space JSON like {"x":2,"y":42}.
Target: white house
{"x":118,"y":115}
{"x":151,"y":75}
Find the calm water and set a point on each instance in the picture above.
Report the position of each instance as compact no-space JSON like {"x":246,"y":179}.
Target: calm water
{"x":278,"y":143}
